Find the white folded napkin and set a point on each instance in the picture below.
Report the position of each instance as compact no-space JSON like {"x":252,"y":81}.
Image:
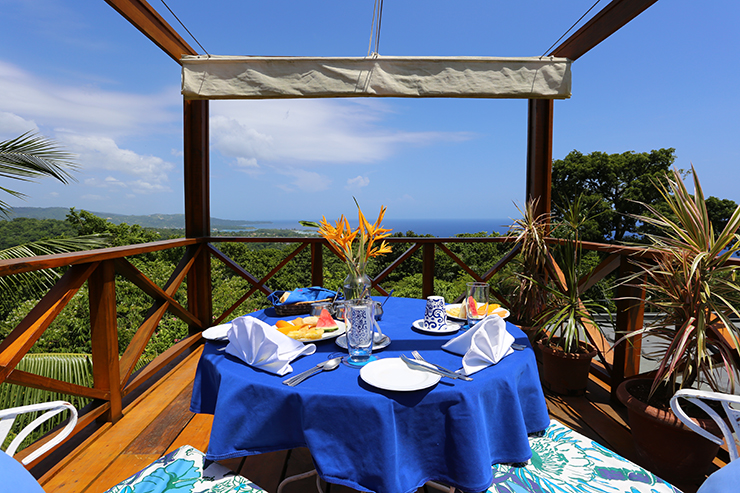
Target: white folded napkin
{"x":261,"y":345}
{"x":483,"y":345}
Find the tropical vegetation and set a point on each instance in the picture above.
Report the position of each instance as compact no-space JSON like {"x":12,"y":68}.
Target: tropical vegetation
{"x":694,"y":290}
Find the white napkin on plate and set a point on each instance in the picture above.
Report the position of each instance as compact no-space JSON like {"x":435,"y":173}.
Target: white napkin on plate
{"x":483,"y":345}
{"x":261,"y":345}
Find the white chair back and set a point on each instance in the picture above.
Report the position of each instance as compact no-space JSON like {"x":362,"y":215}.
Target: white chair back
{"x":699,"y":398}
{"x":7,"y":418}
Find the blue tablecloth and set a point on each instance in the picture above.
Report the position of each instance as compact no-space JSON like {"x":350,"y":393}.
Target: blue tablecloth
{"x":371,"y":439}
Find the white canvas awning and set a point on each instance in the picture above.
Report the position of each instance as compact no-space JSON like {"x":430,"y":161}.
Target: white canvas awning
{"x":242,"y":77}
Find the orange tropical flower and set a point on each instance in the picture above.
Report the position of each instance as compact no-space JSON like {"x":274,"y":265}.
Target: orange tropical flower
{"x":342,"y":237}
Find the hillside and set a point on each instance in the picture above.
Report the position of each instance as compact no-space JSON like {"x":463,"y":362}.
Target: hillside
{"x":170,"y":221}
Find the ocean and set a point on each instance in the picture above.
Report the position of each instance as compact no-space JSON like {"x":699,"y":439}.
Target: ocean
{"x":442,"y":228}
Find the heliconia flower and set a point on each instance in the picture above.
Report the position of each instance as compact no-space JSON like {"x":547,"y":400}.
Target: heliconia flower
{"x":342,"y":238}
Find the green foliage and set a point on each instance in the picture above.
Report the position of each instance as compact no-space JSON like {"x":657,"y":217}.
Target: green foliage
{"x":88,"y":223}
{"x":25,"y":230}
{"x":694,"y":288}
{"x":611,"y":185}
{"x":568,"y":311}
{"x":72,"y":368}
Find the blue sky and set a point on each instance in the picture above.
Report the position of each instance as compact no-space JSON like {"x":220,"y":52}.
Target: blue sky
{"x":80,"y":73}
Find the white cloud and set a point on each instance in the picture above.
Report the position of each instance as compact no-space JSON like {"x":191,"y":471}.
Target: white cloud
{"x":357,"y":182}
{"x":247,"y":162}
{"x":149,"y":173}
{"x":306,"y":131}
{"x":97,"y":152}
{"x":303,"y":180}
{"x":14,"y":125}
{"x":92,"y":122}
{"x":84,"y":108}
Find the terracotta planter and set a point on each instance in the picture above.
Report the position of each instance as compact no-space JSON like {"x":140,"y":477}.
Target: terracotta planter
{"x":665,"y":446}
{"x":565,"y":373}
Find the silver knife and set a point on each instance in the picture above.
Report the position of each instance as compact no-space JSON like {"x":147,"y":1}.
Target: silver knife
{"x":423,"y":365}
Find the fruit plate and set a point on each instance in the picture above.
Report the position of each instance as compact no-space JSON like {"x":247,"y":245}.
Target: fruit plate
{"x":328,"y":335}
{"x":453,"y":310}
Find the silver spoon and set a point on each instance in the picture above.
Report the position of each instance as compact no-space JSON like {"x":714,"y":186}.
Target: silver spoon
{"x":327,"y":365}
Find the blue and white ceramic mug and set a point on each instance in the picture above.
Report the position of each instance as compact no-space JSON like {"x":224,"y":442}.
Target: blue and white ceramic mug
{"x":435,"y":316}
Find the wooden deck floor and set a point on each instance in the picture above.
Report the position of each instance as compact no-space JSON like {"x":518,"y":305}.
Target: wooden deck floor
{"x":159,"y":421}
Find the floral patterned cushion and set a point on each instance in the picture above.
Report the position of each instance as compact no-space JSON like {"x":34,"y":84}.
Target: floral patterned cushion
{"x":185,"y":470}
{"x":564,"y":461}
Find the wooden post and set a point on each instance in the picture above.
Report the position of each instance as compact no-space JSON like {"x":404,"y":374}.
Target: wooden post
{"x":197,"y":206}
{"x":104,"y":336}
{"x":317,"y":264}
{"x":630,"y":310}
{"x":539,"y":154}
{"x":427,"y":288}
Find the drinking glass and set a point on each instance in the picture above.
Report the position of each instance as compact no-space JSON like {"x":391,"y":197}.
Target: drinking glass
{"x":358,"y":317}
{"x":476,"y":302}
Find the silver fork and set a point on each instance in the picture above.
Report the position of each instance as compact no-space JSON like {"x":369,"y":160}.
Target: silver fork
{"x":418,"y":356}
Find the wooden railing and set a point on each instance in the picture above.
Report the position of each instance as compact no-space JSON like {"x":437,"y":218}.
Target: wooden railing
{"x":113,"y":374}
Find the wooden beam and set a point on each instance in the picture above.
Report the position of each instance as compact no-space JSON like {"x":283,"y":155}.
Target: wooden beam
{"x":197,"y":183}
{"x":608,"y":21}
{"x":539,"y":154}
{"x":104,"y":336}
{"x":19,"y":341}
{"x":198,"y":208}
{"x":630,"y":302}
{"x":237,"y":268}
{"x":19,"y":377}
{"x":153,"y":26}
{"x":317,"y":264}
{"x":427,"y":277}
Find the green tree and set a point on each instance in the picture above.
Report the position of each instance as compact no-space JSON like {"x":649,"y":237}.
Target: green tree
{"x":719,"y":212}
{"x":612,"y":185}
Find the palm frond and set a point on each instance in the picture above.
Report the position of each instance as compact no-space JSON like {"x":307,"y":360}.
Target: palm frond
{"x":32,"y":156}
{"x":67,"y":367}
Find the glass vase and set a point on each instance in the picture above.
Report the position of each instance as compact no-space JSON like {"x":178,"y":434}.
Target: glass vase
{"x":356,"y":286}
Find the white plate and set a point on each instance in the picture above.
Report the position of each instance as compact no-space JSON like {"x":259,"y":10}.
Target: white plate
{"x":329,"y":335}
{"x":393,"y":374}
{"x":500,"y":311}
{"x":218,"y":332}
{"x":449,"y":328}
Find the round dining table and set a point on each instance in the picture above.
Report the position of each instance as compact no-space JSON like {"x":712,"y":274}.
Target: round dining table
{"x":368,"y":438}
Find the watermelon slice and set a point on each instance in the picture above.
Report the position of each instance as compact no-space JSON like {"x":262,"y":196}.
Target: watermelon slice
{"x":473,"y":307}
{"x":326,"y":322}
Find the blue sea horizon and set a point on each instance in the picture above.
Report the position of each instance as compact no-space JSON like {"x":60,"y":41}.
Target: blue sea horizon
{"x":442,"y":228}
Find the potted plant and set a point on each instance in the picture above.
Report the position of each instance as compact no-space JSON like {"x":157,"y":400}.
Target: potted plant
{"x":691,"y":284}
{"x":529,"y":297}
{"x":564,"y":322}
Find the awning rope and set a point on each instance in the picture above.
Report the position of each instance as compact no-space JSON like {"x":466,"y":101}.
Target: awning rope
{"x":375,"y":29}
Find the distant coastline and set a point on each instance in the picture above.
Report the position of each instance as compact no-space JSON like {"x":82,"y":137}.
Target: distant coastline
{"x":436,"y":227}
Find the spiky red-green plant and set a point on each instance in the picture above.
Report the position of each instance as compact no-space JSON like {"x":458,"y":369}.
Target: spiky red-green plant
{"x":692,"y":286}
